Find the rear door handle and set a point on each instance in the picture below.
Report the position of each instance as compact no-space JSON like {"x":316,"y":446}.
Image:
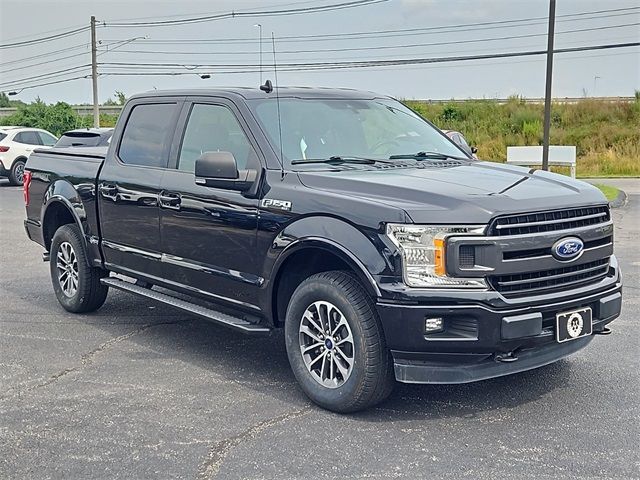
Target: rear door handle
{"x":170,"y":200}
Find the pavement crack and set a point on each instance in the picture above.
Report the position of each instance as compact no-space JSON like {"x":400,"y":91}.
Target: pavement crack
{"x":219,"y":451}
{"x":85,"y":360}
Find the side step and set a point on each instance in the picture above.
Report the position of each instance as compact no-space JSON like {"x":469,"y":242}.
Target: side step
{"x":206,"y":313}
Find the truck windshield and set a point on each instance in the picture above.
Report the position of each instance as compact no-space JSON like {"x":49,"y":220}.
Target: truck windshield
{"x":377,"y":129}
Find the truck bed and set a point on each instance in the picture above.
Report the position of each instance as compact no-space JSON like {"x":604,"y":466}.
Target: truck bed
{"x":68,"y":172}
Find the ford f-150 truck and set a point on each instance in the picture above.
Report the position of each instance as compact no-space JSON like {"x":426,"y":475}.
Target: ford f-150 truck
{"x":382,"y":249}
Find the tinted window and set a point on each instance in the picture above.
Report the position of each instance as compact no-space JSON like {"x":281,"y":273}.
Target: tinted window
{"x":28,"y":138}
{"x":47,"y":139}
{"x":213,"y":128}
{"x":317,"y":128}
{"x":79,"y":139}
{"x":3,"y":136}
{"x":147,"y":133}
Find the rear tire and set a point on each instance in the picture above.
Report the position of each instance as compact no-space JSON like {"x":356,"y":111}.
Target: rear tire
{"x":361,"y":374}
{"x":76,"y":285}
{"x":16,"y":175}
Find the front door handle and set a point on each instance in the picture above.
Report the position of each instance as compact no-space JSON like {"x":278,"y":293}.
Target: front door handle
{"x":170,"y":200}
{"x":108,"y":190}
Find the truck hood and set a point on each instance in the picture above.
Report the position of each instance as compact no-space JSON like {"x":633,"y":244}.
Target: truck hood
{"x":470,"y":193}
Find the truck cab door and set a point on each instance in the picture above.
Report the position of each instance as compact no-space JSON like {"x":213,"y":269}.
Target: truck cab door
{"x":209,"y":234}
{"x":129,"y":186}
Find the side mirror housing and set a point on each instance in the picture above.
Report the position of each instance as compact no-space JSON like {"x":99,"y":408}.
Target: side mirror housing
{"x":474,"y":150}
{"x":220,"y":170}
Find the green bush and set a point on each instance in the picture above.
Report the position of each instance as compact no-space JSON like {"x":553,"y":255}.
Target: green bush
{"x":606,"y":134}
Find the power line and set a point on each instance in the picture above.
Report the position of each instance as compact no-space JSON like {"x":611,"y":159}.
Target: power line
{"x":19,"y":89}
{"x":46,"y":75}
{"x":350,"y":65}
{"x":64,"y":58}
{"x":35,"y":41}
{"x":403,"y":32}
{"x":365,"y":64}
{"x":211,"y":13}
{"x":46,"y":54}
{"x":383,"y":47}
{"x":249,"y":14}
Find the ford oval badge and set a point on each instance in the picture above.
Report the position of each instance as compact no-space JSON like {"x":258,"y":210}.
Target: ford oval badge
{"x":568,"y":248}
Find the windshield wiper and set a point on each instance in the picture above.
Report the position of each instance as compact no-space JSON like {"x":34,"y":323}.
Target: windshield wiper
{"x":338,"y":160}
{"x":426,"y":155}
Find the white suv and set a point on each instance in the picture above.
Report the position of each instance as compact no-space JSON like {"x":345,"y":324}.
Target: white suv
{"x":16,"y":144}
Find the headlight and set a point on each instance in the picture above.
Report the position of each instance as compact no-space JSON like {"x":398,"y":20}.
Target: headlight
{"x":423,"y":254}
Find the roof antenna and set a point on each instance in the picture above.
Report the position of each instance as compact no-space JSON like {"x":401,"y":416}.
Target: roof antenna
{"x":268,"y":84}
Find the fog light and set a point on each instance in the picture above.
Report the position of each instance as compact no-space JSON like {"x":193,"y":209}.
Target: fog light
{"x":433,"y":325}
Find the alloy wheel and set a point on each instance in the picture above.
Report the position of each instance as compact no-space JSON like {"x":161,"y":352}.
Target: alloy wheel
{"x":67,"y":264}
{"x":326,"y":344}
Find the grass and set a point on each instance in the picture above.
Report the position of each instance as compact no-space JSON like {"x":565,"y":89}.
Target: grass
{"x":606,"y":134}
{"x":610,"y":192}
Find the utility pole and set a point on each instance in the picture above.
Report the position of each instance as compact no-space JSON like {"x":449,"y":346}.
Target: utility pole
{"x":94,"y":73}
{"x":547,"y":93}
{"x":259,"y":25}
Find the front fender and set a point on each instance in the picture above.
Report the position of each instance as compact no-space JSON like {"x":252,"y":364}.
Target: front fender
{"x":360,"y":249}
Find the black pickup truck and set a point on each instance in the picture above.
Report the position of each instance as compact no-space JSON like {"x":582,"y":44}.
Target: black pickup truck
{"x":384,"y":251}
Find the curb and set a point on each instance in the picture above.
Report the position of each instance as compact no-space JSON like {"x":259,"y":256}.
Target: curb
{"x":620,"y":200}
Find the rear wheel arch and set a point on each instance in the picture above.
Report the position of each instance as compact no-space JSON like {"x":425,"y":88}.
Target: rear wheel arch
{"x":58,"y":211}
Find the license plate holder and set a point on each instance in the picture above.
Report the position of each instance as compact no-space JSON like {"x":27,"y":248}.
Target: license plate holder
{"x":574,"y":324}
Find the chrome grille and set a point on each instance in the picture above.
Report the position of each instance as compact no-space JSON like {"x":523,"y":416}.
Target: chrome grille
{"x":532,"y":283}
{"x":538,"y":222}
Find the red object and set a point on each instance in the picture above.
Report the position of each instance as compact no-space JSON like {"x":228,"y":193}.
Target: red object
{"x":4,"y":148}
{"x":26,"y":182}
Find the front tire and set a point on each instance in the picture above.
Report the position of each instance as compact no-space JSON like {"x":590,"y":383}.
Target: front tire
{"x":335,"y":343}
{"x":76,"y":285}
{"x":16,"y":176}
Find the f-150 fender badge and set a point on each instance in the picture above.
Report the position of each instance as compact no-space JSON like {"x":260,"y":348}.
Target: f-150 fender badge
{"x":273,"y":203}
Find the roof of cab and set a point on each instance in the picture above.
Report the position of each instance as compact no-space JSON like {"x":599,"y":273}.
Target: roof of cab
{"x":253,"y":93}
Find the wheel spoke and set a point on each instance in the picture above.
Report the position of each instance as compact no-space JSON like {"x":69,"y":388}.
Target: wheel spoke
{"x":348,"y":361}
{"x":347,"y":339}
{"x":307,"y":331}
{"x":312,"y":362}
{"x":324,"y":363}
{"x":311,"y":347}
{"x":344,"y":371}
{"x":332,"y":360}
{"x":310,"y":319}
{"x":340,"y":324}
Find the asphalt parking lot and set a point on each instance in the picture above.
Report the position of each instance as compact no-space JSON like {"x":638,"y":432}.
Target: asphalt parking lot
{"x":137,"y":390}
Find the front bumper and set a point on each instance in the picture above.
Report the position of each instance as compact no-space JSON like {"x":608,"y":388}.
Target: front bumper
{"x":481,"y":339}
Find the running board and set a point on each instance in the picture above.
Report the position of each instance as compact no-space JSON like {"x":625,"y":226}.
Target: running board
{"x":206,"y":313}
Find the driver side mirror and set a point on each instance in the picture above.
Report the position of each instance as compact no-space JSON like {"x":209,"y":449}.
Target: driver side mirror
{"x":220,"y":170}
{"x":474,"y":150}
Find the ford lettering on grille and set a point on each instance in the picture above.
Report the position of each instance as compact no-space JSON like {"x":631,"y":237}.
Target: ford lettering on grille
{"x":568,"y":248}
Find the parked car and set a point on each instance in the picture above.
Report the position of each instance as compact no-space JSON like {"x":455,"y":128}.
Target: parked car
{"x":343,"y":217}
{"x":16,"y":144}
{"x":85,"y":137}
{"x":459,"y":140}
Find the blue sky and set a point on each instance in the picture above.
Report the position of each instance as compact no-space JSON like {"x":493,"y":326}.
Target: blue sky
{"x":603,"y":73}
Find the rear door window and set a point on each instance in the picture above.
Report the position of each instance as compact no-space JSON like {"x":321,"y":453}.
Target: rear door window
{"x":147,"y":135}
{"x":28,"y":138}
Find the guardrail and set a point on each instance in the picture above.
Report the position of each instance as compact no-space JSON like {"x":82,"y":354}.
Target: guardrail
{"x":533,"y":100}
{"x":79,"y":109}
